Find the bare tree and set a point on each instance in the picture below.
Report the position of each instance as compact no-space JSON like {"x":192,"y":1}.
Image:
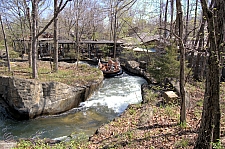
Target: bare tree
{"x":35,"y":35}
{"x":78,"y":5}
{"x":171,"y":20}
{"x":198,"y":45}
{"x":165,"y":19}
{"x":111,"y":19}
{"x":210,"y":122}
{"x":17,"y":25}
{"x":34,"y":39}
{"x":193,"y":36}
{"x":187,"y":22}
{"x":125,"y":4}
{"x":195,"y":20}
{"x":66,"y":19}
{"x":56,"y":49}
{"x":6,"y":46}
{"x":160,"y":17}
{"x":30,"y":37}
{"x":179,"y":25}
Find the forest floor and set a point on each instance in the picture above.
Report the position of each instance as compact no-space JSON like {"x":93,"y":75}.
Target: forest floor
{"x":138,"y":127}
{"x":150,"y":125}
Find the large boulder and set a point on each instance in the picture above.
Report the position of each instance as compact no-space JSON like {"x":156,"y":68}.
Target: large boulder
{"x":31,"y":98}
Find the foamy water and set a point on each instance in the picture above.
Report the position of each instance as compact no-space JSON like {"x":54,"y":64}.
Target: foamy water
{"x":117,"y":93}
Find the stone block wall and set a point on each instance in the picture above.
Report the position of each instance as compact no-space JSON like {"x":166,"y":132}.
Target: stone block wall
{"x":31,"y":98}
{"x":134,"y":67}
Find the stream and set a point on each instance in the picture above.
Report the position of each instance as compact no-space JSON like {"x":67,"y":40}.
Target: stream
{"x":103,"y":106}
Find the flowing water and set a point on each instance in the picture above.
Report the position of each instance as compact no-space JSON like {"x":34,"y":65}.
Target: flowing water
{"x":104,"y":105}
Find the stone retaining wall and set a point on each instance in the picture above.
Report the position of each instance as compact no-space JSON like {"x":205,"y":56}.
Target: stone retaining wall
{"x":134,"y":67}
{"x":30,"y":98}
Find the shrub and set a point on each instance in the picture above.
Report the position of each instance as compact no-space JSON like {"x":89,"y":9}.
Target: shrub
{"x":165,"y":65}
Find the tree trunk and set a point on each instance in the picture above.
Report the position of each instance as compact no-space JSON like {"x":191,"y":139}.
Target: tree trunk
{"x":210,"y":122}
{"x":34,"y":40}
{"x":203,"y":67}
{"x":219,"y":35}
{"x":77,"y":31}
{"x":22,"y":28}
{"x":30,"y":38}
{"x":115,"y":29}
{"x":165,"y":19}
{"x":35,"y":35}
{"x":160,"y":18}
{"x":56,"y":49}
{"x":179,"y":26}
{"x":171,"y":20}
{"x":196,"y":67}
{"x":111,"y":20}
{"x":6,"y":47}
{"x":195,"y":20}
{"x":187,"y":19}
{"x":114,"y":35}
{"x":198,"y":45}
{"x":200,"y":36}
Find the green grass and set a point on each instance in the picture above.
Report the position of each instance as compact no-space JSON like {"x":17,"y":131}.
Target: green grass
{"x":199,"y":103}
{"x":182,"y":143}
{"x":169,"y":111}
{"x":217,"y":145}
{"x":80,"y":142}
{"x":70,"y":74}
{"x":132,"y":111}
{"x":130,"y":135}
{"x":151,"y":97}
